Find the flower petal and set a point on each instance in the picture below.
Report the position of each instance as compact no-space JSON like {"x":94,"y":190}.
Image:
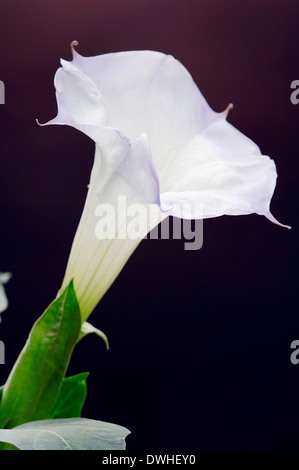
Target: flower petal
{"x":149,"y":92}
{"x":128,"y":178}
{"x":4,"y":278}
{"x":78,"y":98}
{"x":146,"y":92}
{"x":3,"y":300}
{"x":220,"y":171}
{"x":80,"y":105}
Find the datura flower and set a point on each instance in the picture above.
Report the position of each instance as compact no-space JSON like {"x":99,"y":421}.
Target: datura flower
{"x":4,"y":278}
{"x":158,"y":144}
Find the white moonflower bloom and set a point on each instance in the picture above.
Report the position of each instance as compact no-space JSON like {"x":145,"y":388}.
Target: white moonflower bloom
{"x":157,"y":144}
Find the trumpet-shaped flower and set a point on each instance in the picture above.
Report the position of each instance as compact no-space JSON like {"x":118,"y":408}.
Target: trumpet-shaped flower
{"x":157,"y":143}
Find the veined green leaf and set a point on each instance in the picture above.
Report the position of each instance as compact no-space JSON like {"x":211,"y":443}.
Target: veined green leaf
{"x":31,"y":389}
{"x":66,"y":434}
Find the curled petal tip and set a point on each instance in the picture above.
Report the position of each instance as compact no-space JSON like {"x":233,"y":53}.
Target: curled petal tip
{"x":284,"y":226}
{"x":39,"y":123}
{"x":73,"y":45}
{"x":228,"y":109}
{"x":164,"y":208}
{"x":275,"y":221}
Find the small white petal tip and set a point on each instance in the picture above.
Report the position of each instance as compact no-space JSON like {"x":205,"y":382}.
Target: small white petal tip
{"x":275,"y":221}
{"x":73,"y":45}
{"x":224,"y":114}
{"x":284,"y":226}
{"x":228,"y":109}
{"x":40,"y":124}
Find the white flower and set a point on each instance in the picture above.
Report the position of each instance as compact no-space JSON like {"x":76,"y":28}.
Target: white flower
{"x":158,"y":143}
{"x":4,"y":278}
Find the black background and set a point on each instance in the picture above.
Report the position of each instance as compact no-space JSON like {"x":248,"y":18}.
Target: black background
{"x":200,"y":341}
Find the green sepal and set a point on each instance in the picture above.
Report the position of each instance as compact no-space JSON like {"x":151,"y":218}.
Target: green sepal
{"x":32,"y":387}
{"x":71,"y":397}
{"x":87,"y":328}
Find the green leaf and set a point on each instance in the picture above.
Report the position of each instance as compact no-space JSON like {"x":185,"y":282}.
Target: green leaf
{"x":31,"y":389}
{"x":87,"y":328}
{"x":66,"y":434}
{"x":71,"y":397}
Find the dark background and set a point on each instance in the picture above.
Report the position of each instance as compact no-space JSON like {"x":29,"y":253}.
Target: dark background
{"x":200,"y":341}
